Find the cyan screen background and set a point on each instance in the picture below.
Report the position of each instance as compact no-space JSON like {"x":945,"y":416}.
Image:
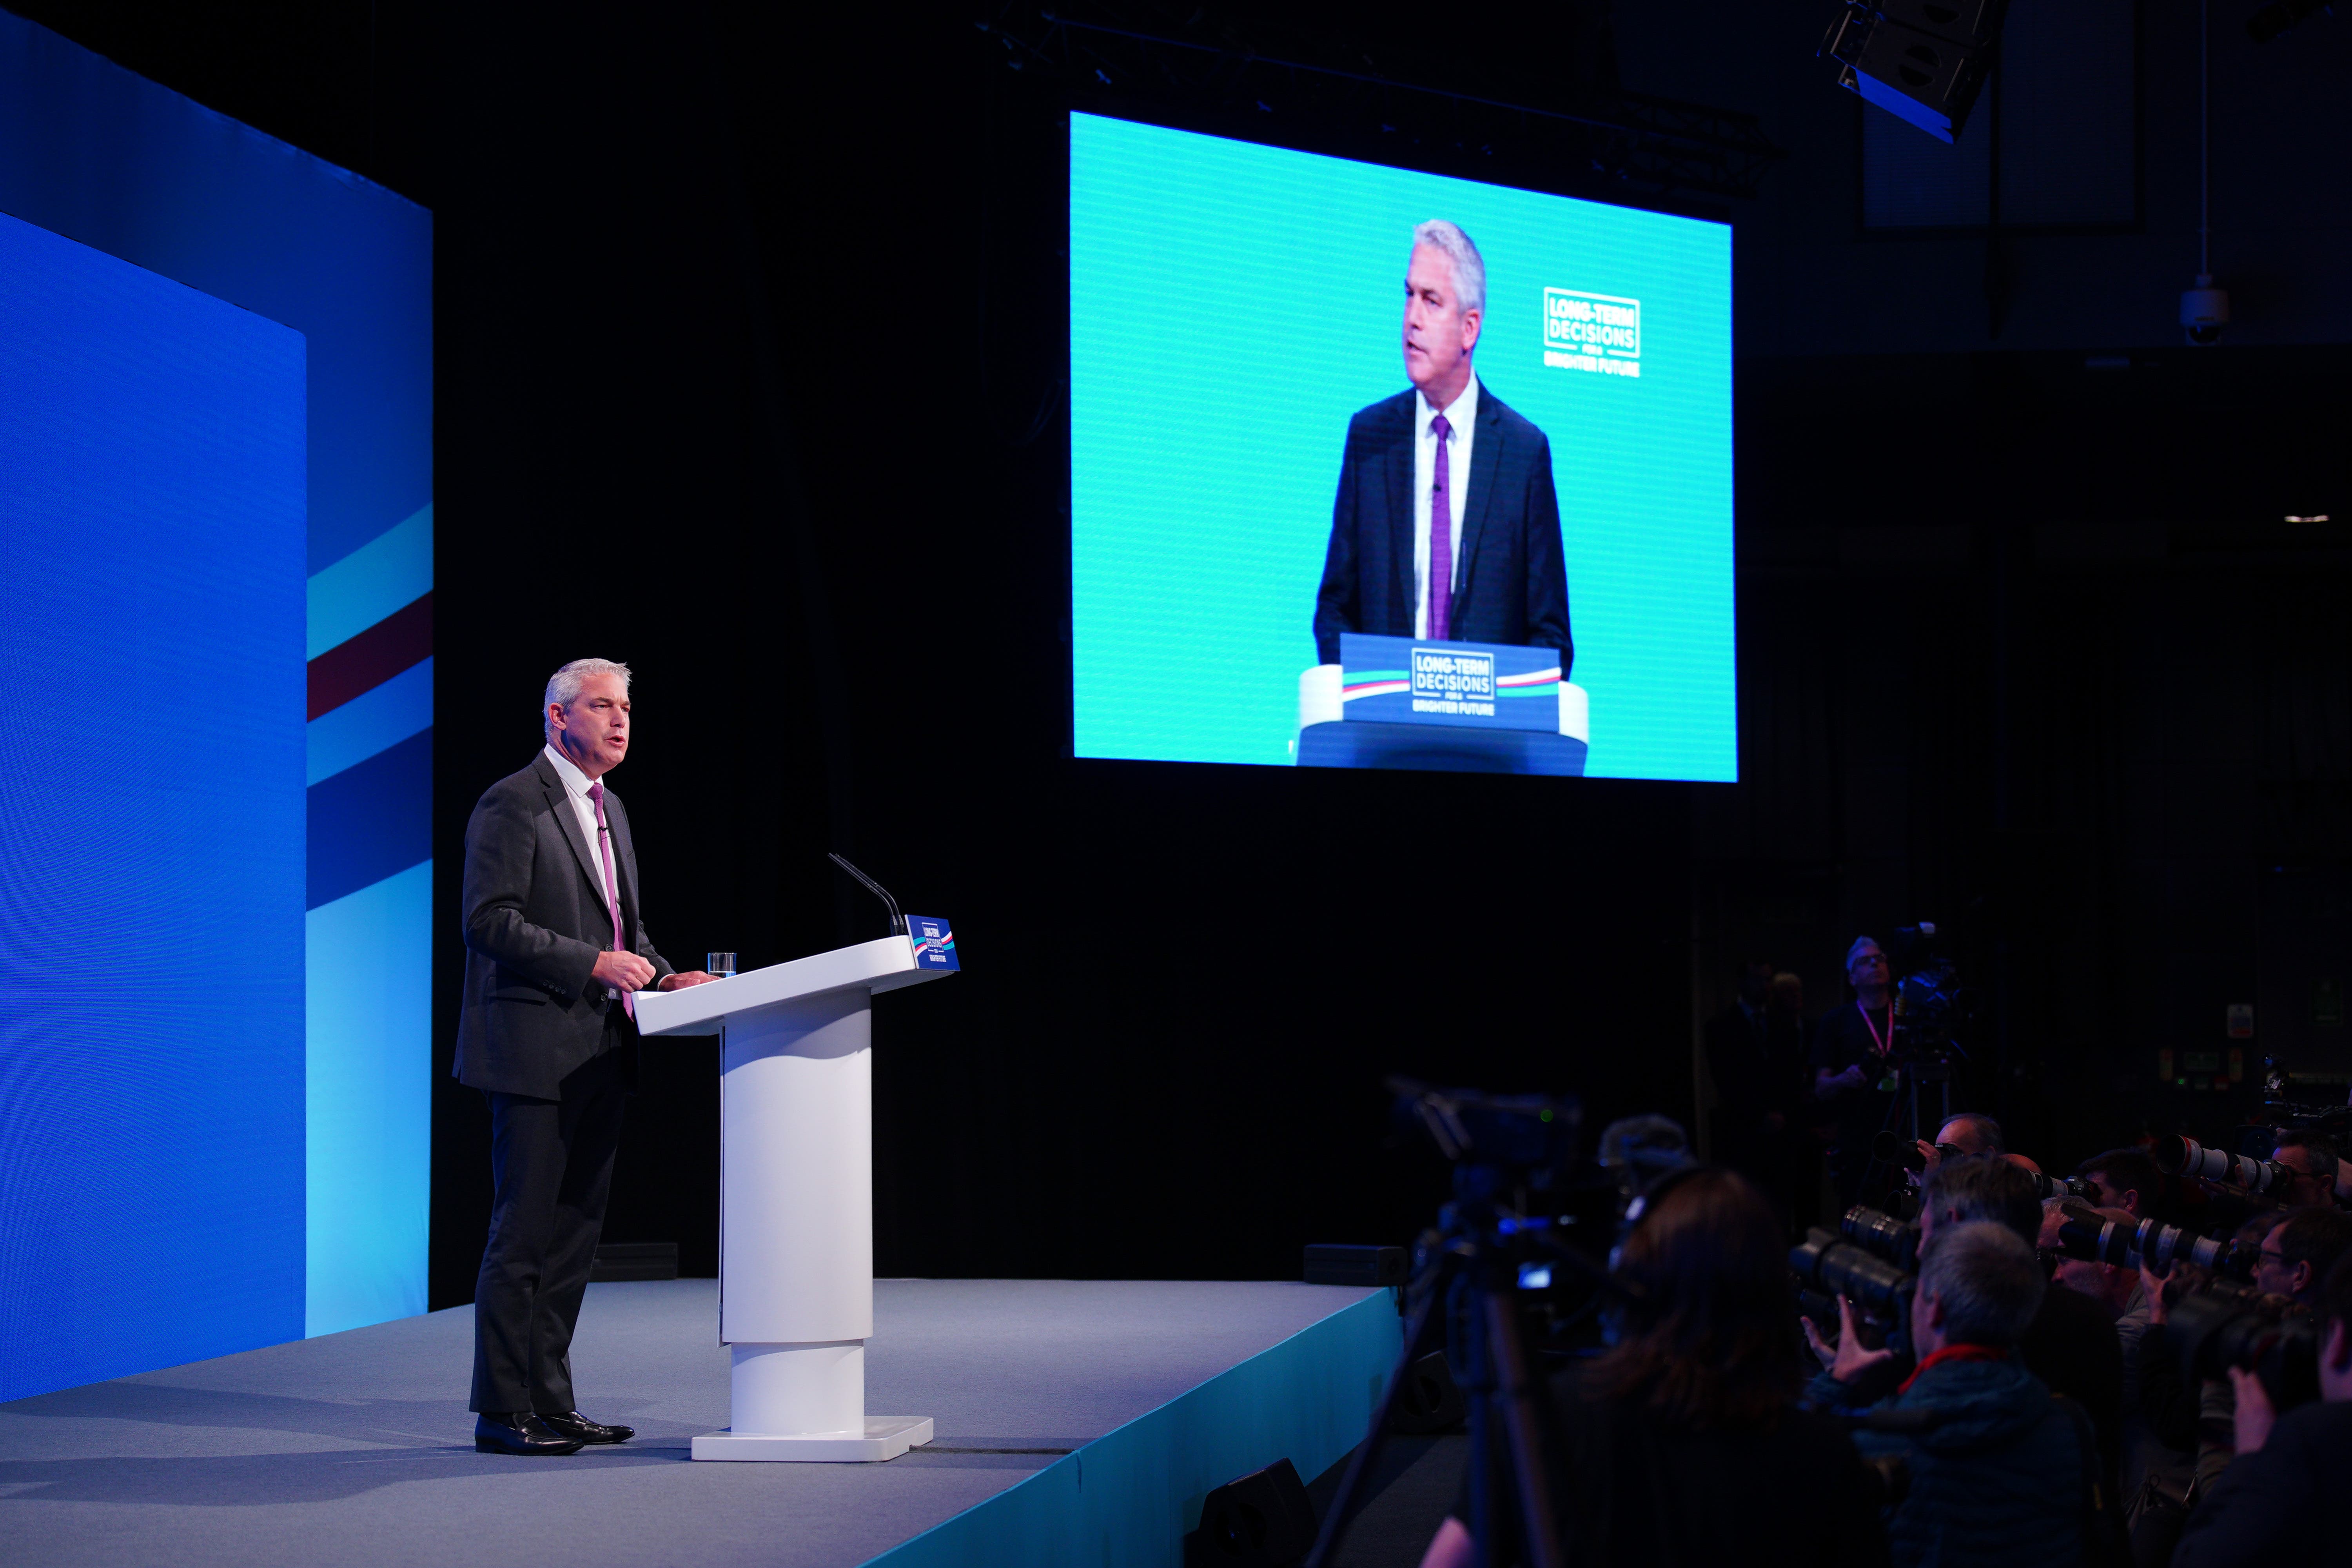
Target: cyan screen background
{"x":152,"y":611}
{"x":1233,"y":305}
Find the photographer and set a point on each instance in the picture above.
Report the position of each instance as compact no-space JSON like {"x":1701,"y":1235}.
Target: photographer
{"x":1999,"y":1471}
{"x":1855,"y":1075}
{"x":2072,"y":1343}
{"x":2299,"y":1251}
{"x":2126,"y":1179}
{"x":2296,"y":1250}
{"x":2279,"y":1500}
{"x":1969,"y":1132}
{"x":1684,"y":1443}
{"x":2312,"y":1156}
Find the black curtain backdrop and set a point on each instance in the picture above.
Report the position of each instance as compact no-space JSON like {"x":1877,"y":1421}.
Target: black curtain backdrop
{"x":758,"y":387}
{"x":750,"y":341}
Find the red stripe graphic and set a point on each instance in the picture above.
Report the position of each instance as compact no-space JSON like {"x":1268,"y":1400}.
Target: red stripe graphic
{"x":353,"y":668}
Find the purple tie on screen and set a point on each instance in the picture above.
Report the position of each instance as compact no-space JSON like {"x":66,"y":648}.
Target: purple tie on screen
{"x":1441,"y":536}
{"x":612,"y":885}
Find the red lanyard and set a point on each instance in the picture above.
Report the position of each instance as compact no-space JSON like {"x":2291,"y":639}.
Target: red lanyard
{"x":1877,"y":1045}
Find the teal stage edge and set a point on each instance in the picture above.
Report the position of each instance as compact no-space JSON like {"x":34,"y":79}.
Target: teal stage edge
{"x":1130,"y":1496}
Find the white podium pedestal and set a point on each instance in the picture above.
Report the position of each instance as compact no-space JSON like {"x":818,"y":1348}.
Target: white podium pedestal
{"x":796,"y":1198}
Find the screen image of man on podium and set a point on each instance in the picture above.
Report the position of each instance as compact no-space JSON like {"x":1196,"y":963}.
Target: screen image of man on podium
{"x":555,"y":948}
{"x":1446,"y":527}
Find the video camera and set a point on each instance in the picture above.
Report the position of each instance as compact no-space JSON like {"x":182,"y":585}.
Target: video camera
{"x":1528,"y":1204}
{"x":2154,"y":1244}
{"x":1931,"y":1003}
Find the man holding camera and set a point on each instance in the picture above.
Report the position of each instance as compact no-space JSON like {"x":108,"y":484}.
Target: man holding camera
{"x":2071,"y":1343}
{"x":2278,"y":1500}
{"x":1999,"y":1470}
{"x":2312,"y":1157}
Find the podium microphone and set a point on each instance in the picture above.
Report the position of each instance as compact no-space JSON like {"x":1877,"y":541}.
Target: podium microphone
{"x":898,"y":921}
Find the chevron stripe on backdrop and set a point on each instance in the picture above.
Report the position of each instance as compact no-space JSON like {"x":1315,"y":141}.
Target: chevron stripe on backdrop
{"x":370,"y":890}
{"x":91,"y":151}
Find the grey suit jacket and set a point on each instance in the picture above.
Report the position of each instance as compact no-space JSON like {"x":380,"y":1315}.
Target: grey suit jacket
{"x":535,"y":921}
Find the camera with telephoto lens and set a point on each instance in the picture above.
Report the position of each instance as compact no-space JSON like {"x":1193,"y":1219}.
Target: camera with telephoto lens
{"x":2046,"y":1187}
{"x":1834,"y":1268}
{"x":1889,"y":1238}
{"x":2158,"y":1246}
{"x":2180,"y":1155}
{"x":2222,"y":1327}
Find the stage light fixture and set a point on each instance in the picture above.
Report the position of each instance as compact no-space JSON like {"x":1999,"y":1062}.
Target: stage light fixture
{"x":1922,"y":60}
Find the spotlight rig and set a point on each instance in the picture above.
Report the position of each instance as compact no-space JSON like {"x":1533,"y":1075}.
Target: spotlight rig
{"x":1924,"y":60}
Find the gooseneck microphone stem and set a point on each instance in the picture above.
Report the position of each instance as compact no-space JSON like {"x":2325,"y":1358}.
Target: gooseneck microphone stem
{"x":898,"y":921}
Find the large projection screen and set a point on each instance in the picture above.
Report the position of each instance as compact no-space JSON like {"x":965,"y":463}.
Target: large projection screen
{"x":1234,"y":305}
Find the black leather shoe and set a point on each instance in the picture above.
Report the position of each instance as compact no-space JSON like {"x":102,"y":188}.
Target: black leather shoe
{"x":580,"y":1429}
{"x":519,"y":1431}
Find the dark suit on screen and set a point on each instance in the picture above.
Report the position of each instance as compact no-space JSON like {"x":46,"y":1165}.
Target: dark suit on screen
{"x":556,"y":1057}
{"x":1511,"y":586}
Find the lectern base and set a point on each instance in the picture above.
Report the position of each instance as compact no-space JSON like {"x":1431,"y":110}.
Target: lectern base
{"x":886,"y":1437}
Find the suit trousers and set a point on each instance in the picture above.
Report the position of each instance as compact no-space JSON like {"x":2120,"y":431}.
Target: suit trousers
{"x":552,"y":1163}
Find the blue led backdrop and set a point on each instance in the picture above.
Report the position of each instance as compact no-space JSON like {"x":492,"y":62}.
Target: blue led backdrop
{"x":151,"y":1002}
{"x":339,"y":1135}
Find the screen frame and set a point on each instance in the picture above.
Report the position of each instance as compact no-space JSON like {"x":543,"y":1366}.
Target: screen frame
{"x":1333,"y":141}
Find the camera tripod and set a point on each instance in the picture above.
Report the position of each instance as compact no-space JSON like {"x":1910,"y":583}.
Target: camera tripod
{"x":1472,"y":1275}
{"x":1903,"y":1116}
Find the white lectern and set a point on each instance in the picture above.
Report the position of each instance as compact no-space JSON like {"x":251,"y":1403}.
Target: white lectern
{"x":796,"y":1197}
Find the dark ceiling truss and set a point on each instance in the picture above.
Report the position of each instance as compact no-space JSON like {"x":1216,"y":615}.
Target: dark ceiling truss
{"x":1655,"y":145}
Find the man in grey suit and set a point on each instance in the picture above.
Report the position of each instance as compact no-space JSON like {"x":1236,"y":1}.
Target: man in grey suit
{"x":555,"y":949}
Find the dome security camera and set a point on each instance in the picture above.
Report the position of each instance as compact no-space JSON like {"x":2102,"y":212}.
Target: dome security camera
{"x":2204,"y":311}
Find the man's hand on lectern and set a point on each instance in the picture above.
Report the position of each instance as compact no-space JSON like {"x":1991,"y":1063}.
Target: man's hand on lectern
{"x":680,"y":981}
{"x":621,"y":971}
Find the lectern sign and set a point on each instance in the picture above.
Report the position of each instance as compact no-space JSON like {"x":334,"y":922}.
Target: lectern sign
{"x":934,"y":942}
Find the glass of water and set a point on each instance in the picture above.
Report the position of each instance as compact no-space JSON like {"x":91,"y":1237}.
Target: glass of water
{"x":722,"y":965}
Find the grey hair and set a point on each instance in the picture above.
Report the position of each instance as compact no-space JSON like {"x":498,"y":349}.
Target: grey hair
{"x":1986,"y":1128}
{"x":1469,"y":268}
{"x":563,"y":687}
{"x":1986,"y":1277}
{"x":1859,"y":943}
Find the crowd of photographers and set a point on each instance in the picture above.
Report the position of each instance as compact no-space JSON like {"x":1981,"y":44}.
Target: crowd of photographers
{"x":2143,"y":1364}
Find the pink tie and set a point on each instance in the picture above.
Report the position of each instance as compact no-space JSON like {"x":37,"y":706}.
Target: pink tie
{"x":611,"y":887}
{"x":1440,"y":539}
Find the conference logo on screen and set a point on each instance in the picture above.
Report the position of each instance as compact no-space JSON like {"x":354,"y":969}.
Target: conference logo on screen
{"x":1596,"y":333}
{"x":1449,"y":680}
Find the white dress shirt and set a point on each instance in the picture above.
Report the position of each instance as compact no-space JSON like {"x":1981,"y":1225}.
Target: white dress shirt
{"x":576,"y":784}
{"x":1462,"y":419}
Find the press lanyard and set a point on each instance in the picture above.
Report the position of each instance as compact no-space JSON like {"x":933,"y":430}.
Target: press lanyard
{"x":1877,"y":1045}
